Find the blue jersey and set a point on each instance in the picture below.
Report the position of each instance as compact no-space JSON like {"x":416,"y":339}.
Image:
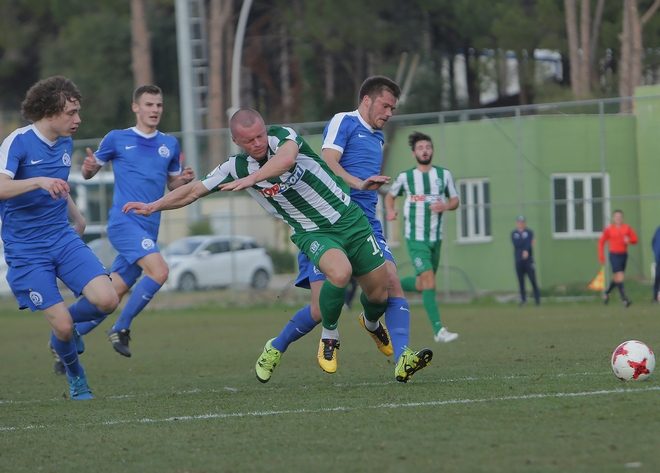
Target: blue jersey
{"x":361,"y":149}
{"x":34,"y":220}
{"x":655,"y":244}
{"x":141,"y":164}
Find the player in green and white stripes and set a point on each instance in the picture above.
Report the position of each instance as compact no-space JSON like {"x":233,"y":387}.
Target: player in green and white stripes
{"x":429,"y":192}
{"x":280,"y":170}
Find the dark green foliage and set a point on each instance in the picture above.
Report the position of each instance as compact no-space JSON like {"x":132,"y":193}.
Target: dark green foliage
{"x":90,"y":42}
{"x":101,"y":68}
{"x":283,"y":261}
{"x":201,"y":227}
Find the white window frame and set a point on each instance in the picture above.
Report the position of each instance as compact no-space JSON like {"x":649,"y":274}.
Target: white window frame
{"x":103,"y":178}
{"x":587,"y":201}
{"x":474,"y":212}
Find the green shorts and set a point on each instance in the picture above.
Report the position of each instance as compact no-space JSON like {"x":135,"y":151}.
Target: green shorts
{"x":351,"y":234}
{"x":425,"y":256}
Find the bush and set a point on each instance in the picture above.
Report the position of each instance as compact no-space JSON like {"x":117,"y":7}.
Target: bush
{"x":201,"y":227}
{"x":283,"y":261}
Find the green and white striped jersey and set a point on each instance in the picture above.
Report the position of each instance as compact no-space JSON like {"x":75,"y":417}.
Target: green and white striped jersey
{"x":421,"y":190}
{"x":308,"y":197}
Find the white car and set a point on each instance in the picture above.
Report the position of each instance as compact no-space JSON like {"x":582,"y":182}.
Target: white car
{"x":204,"y":261}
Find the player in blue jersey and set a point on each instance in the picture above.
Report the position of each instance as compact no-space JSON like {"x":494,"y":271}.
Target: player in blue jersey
{"x":40,"y":244}
{"x":144,"y":160}
{"x":352,"y":147}
{"x":289,"y":180}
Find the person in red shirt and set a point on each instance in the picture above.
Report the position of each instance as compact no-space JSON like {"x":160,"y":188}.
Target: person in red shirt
{"x":618,"y":236}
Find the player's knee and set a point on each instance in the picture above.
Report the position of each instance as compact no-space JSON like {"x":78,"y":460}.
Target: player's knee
{"x":63,"y":329}
{"x":426,"y":284}
{"x":340,"y":276}
{"x":106,"y":302}
{"x":161,"y":276}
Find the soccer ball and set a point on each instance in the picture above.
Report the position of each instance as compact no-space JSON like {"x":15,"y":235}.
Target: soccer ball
{"x":633,"y":361}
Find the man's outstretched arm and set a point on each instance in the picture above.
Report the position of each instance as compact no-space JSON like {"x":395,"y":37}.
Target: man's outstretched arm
{"x":179,"y":197}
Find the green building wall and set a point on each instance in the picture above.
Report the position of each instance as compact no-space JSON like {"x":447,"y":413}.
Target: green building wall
{"x":519,"y":155}
{"x":647,"y":132}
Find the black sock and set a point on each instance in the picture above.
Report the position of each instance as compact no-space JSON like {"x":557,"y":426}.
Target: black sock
{"x":609,"y":289}
{"x":622,"y":292}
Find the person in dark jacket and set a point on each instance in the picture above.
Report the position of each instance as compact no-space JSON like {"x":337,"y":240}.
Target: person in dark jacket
{"x":655,"y":244}
{"x":523,"y":241}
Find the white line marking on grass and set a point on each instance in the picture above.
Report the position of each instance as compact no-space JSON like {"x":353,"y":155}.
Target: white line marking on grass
{"x":339,"y":385}
{"x":438,"y":403}
{"x":131,"y":396}
{"x":480,"y":378}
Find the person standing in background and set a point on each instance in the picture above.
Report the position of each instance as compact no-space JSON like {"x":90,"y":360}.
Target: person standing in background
{"x":655,"y":244}
{"x":523,"y":243}
{"x":618,"y":235}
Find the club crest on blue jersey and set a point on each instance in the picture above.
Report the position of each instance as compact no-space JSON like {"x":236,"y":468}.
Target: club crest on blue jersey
{"x":148,"y":244}
{"x":66,"y":159}
{"x":36,"y":298}
{"x":164,"y":151}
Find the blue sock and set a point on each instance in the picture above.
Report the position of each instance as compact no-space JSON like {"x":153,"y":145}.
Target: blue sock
{"x":85,"y":315}
{"x":68,"y":354}
{"x":397,"y":319}
{"x":300,"y":324}
{"x":84,"y":328}
{"x":142,"y":294}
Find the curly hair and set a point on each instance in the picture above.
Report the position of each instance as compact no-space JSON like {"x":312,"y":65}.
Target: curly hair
{"x":416,"y":136}
{"x":48,"y":97}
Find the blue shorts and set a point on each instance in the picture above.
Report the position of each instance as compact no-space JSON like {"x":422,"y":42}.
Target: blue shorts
{"x":618,"y":262}
{"x":34,"y":284}
{"x":132,"y":243}
{"x":309,"y":273}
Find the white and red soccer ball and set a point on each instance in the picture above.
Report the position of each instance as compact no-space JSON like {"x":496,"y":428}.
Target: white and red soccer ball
{"x":633,"y":361}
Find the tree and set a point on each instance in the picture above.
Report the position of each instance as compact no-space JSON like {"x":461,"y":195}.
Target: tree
{"x":221,"y":39}
{"x":221,"y":34}
{"x":582,"y":46}
{"x":524,"y":26}
{"x":140,"y":45}
{"x":98,"y":67}
{"x":630,"y":67}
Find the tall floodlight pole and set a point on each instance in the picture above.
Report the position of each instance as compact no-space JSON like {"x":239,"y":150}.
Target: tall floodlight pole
{"x":236,"y":62}
{"x":188,"y":125}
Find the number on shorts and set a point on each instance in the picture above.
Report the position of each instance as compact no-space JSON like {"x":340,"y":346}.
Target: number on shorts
{"x":374,"y":245}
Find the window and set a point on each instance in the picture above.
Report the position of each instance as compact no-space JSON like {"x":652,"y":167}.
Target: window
{"x":474,"y":223}
{"x":580,"y":204}
{"x":216,"y":247}
{"x":94,"y":198}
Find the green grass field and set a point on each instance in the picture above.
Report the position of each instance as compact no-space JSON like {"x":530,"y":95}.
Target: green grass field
{"x":523,"y":389}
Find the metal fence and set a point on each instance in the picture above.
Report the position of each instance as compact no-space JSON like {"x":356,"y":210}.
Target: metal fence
{"x":237,"y":214}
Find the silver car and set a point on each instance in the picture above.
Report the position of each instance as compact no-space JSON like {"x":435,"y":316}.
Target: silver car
{"x":206,"y":261}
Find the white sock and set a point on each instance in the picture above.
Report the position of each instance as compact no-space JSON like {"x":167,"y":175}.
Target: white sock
{"x":371,"y":326}
{"x":331,"y":334}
